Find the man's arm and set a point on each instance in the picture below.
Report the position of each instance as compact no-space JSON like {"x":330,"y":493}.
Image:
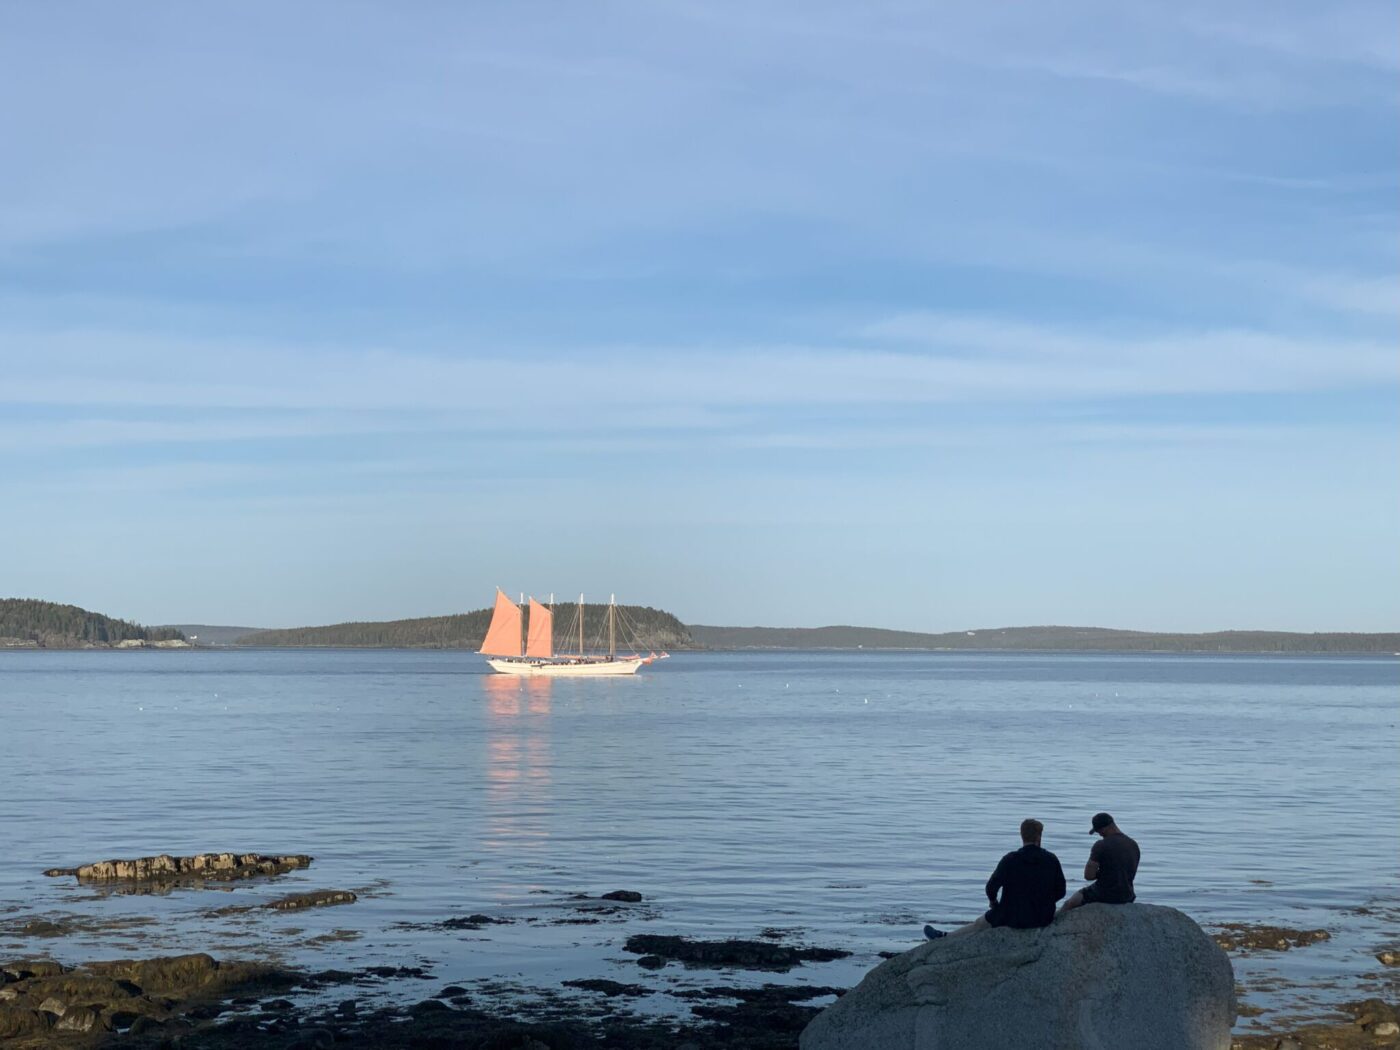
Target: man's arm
{"x":1059,"y":880}
{"x":1091,"y":870}
{"x":994,"y":884}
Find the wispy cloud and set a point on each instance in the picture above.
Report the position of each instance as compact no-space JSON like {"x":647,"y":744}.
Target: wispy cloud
{"x":914,"y":358}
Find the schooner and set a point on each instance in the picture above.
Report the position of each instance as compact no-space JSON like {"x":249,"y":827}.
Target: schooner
{"x":511,"y":648}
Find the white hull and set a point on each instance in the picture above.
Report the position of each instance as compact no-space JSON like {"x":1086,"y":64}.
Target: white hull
{"x":550,"y":669}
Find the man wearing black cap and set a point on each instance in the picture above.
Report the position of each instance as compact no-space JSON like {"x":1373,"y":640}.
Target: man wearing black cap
{"x":1113,"y":863}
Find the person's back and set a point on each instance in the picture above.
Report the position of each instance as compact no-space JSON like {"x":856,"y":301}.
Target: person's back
{"x":1118,"y":856}
{"x":1031,"y":881}
{"x":1022,"y":891}
{"x":1113,"y":864}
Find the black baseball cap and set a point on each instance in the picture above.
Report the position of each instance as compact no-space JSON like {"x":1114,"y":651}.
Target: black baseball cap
{"x":1101,"y":821}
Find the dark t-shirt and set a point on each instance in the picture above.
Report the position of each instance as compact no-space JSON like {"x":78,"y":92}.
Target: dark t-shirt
{"x":1118,"y":857}
{"x":1031,"y":881}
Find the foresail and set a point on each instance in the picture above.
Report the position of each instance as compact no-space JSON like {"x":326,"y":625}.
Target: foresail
{"x":503,"y":636}
{"x":541,"y":641}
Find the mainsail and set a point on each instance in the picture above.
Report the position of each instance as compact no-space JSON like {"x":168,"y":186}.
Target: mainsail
{"x":541,"y":641}
{"x":503,"y":636}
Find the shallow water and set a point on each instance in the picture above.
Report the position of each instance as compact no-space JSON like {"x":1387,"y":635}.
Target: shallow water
{"x":850,"y":796}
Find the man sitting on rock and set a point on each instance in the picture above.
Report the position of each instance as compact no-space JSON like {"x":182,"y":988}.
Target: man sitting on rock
{"x":1029,"y":880}
{"x":1113,"y":863}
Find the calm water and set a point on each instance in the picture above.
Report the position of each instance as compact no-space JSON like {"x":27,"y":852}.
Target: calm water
{"x":848,"y":796}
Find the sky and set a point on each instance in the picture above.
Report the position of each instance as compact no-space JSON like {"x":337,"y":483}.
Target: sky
{"x":926,"y":316}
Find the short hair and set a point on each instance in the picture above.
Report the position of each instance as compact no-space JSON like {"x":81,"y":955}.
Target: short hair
{"x":1031,"y":830}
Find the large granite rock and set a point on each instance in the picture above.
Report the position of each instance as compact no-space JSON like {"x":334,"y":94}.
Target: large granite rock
{"x":1100,"y":978}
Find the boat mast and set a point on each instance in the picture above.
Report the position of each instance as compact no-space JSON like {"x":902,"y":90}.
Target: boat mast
{"x":523,"y":636}
{"x":612,"y":627}
{"x":580,"y":625}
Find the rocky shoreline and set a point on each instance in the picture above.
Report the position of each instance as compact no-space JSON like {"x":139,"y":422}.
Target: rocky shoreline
{"x":197,"y":1001}
{"x":688,"y":992}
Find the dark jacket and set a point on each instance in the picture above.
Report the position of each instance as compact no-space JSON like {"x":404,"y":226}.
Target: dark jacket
{"x":1030,"y":881}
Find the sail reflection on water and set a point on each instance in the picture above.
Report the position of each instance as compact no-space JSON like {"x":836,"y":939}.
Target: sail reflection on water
{"x":518,"y":761}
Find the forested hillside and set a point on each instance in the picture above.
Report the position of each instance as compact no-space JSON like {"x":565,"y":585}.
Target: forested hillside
{"x":640,"y":625}
{"x":1041,"y":638}
{"x":48,"y":625}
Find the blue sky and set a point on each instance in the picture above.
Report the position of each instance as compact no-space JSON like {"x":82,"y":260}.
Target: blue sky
{"x":911,"y":315}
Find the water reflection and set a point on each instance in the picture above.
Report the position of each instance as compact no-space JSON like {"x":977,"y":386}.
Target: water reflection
{"x":518,"y":762}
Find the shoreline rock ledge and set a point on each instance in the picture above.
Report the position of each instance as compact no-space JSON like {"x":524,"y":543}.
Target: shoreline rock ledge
{"x":1104,"y":976}
{"x":213,"y":866}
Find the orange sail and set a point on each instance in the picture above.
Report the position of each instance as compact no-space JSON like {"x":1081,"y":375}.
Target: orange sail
{"x":503,"y":636}
{"x":541,"y":641}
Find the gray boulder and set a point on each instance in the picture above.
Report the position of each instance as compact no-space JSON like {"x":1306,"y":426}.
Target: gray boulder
{"x":1101,"y":978}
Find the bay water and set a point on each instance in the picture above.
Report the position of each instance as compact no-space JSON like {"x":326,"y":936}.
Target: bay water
{"x":843,"y":799}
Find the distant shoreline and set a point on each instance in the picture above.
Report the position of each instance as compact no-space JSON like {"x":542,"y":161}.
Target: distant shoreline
{"x":717,"y":650}
{"x":33,"y":623}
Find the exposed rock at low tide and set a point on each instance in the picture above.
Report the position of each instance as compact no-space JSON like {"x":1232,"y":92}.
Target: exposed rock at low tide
{"x":67,"y":925}
{"x":750,"y":955}
{"x":1239,"y":936}
{"x":199,"y":866}
{"x":1373,"y":1024}
{"x":43,"y":996}
{"x":457,"y":922}
{"x":609,"y":988}
{"x":314,"y":899}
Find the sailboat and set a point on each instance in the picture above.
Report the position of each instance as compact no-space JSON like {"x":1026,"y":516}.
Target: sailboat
{"x":511,"y":649}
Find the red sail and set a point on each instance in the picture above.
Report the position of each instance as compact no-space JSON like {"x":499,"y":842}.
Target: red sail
{"x":541,"y":641}
{"x":503,"y":636}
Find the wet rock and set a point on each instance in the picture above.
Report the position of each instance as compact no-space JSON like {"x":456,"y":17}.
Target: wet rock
{"x":457,"y":922}
{"x":324,"y":977}
{"x":1238,"y":936}
{"x":784,"y":1017}
{"x":471,"y":922}
{"x":277,"y":1005}
{"x":626,"y":896}
{"x":16,"y":1022}
{"x":651,"y":962}
{"x":314,"y":899}
{"x":61,"y":994}
{"x":199,"y":866}
{"x":42,"y":928}
{"x":1388,"y":958}
{"x":428,"y":1005}
{"x":611,"y":989}
{"x":315,"y":1039}
{"x":26,"y":968}
{"x":81,"y":1019}
{"x":1374,"y":1024}
{"x":451,"y":990}
{"x":768,"y":993}
{"x":144,"y":1026}
{"x":387,"y":972}
{"x":753,"y":955}
{"x":1372,"y":1012}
